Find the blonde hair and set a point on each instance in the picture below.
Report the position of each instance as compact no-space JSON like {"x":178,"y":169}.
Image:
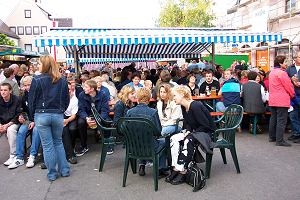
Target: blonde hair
{"x":244,"y":73}
{"x":143,"y":95}
{"x":123,"y":95}
{"x":49,"y":67}
{"x":184,"y":91}
{"x":91,"y":83}
{"x":27,"y":79}
{"x":167,"y":88}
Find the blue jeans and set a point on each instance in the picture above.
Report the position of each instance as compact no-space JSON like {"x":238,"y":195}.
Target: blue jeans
{"x":167,"y":130}
{"x":21,"y":139}
{"x":295,"y":120}
{"x":50,"y":127}
{"x":158,"y":145}
{"x":220,"y":107}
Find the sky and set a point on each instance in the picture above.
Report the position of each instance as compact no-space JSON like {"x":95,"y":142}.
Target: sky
{"x":106,"y":13}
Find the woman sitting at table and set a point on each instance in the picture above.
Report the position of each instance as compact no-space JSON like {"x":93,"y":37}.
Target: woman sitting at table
{"x":135,"y":81}
{"x":126,"y":97}
{"x":168,"y":111}
{"x":199,"y":127}
{"x":192,"y":85}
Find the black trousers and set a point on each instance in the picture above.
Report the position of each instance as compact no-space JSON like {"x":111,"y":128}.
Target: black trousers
{"x":68,"y":137}
{"x":82,"y":130}
{"x":278,"y":122}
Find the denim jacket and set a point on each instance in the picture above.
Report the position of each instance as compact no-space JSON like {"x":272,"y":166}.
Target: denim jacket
{"x":101,"y":103}
{"x":142,"y":110}
{"x":47,"y":97}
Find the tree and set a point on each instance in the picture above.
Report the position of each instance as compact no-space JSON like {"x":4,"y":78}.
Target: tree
{"x":185,"y":13}
{"x":4,"y":40}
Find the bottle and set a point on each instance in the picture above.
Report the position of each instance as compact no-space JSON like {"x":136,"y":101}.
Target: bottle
{"x":207,"y":92}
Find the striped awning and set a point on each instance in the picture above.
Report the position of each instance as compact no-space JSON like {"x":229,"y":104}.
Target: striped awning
{"x":145,"y":43}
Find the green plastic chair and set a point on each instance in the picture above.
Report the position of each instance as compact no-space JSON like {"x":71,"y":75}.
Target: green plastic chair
{"x":106,"y":128}
{"x":228,"y":124}
{"x":139,"y":134}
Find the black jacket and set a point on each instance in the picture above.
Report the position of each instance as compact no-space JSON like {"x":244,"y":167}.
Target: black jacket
{"x":9,"y":112}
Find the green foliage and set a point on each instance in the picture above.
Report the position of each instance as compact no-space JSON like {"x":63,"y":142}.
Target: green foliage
{"x":185,"y":13}
{"x":4,"y":40}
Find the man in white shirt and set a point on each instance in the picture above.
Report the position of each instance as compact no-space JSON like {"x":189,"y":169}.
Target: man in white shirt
{"x":70,"y":125}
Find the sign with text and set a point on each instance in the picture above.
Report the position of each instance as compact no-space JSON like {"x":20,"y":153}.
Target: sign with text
{"x":262,"y":60}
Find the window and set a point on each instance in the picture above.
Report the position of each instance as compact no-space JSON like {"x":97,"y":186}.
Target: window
{"x":43,"y":29}
{"x":28,"y":30}
{"x":28,"y":47}
{"x":20,"y":30}
{"x":13,"y":29}
{"x":36,"y":30}
{"x":290,"y":5}
{"x":27,"y":13}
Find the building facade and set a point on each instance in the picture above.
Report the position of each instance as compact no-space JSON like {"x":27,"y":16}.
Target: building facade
{"x":263,"y":16}
{"x":28,"y":19}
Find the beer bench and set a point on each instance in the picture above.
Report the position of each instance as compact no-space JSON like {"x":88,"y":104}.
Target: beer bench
{"x":217,"y":114}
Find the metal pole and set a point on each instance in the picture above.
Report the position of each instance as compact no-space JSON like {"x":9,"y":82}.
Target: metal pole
{"x":213,"y":52}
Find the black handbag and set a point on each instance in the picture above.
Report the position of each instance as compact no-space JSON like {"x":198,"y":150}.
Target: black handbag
{"x":195,"y":177}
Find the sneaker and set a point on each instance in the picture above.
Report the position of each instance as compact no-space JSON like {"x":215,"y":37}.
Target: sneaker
{"x":149,"y":164}
{"x":283,"y":144}
{"x":109,"y":151}
{"x":142,"y":170}
{"x":82,"y":151}
{"x":16,"y":163}
{"x":10,"y":160}
{"x":293,"y":137}
{"x":30,"y":162}
{"x":73,"y":160}
{"x":43,"y":166}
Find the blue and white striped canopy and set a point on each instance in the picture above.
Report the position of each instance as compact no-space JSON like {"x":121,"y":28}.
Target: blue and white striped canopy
{"x":145,"y":43}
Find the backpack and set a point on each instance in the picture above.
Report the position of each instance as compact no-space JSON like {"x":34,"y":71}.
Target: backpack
{"x":195,"y":177}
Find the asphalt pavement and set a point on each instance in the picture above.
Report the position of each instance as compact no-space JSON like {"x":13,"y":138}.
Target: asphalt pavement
{"x":268,"y":172}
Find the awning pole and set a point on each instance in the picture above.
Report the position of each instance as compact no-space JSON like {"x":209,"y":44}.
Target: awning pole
{"x":75,"y":61}
{"x":213,"y":52}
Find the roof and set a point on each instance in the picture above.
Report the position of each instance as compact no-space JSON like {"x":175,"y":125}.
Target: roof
{"x":64,"y":22}
{"x":146,"y":43}
{"x":4,"y":29}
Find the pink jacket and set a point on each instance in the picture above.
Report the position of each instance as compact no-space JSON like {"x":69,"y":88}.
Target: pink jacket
{"x":281,"y":89}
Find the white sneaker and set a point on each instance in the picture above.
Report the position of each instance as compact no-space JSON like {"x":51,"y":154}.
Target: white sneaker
{"x":16,"y":163}
{"x":30,"y":162}
{"x":10,"y":160}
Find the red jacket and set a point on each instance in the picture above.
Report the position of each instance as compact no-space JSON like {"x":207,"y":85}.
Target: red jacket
{"x":281,"y":89}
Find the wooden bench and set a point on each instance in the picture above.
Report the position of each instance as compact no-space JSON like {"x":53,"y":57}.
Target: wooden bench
{"x":217,"y":114}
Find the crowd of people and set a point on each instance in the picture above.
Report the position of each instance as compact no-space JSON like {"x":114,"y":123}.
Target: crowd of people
{"x":53,"y":105}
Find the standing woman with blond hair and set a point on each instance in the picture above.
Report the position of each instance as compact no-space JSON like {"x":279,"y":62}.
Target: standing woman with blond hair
{"x":48,"y":100}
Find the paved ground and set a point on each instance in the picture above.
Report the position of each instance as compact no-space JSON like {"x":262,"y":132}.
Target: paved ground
{"x":268,"y":172}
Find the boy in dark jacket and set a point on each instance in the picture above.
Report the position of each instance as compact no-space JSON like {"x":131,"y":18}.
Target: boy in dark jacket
{"x":10,"y":109}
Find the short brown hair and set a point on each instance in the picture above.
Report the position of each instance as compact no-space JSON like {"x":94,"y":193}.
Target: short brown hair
{"x":91,"y":83}
{"x":6,"y":84}
{"x":279,"y":60}
{"x":165,"y":76}
{"x":8,"y":72}
{"x":143,"y":95}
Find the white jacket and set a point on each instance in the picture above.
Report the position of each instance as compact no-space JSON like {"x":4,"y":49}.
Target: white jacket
{"x":172,"y":112}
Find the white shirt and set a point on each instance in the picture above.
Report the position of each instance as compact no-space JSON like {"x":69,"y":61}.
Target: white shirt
{"x":73,"y":107}
{"x":263,"y":93}
{"x":297,"y":68}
